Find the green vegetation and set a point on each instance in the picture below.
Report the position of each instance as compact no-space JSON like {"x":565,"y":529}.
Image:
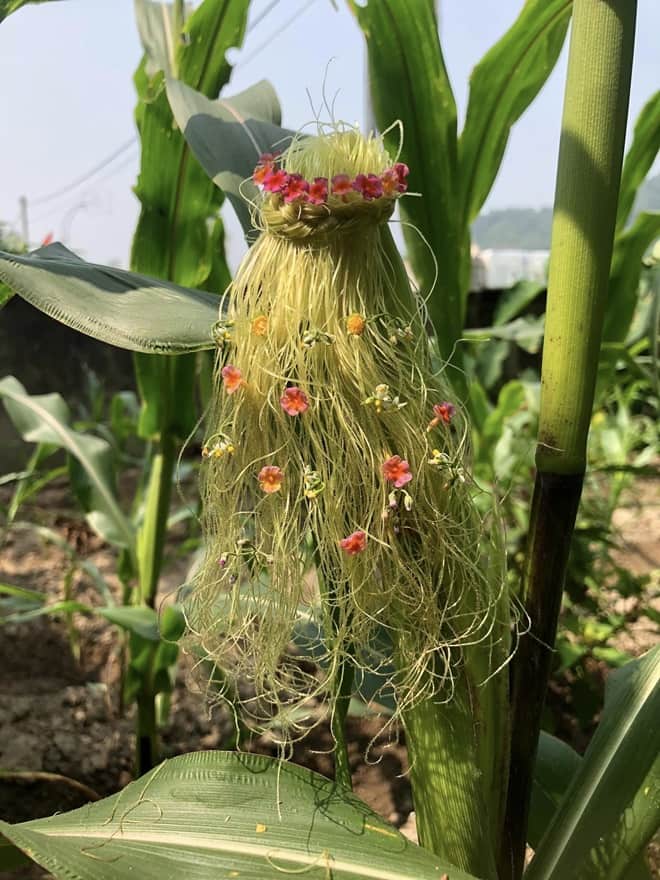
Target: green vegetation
{"x":485,"y":783}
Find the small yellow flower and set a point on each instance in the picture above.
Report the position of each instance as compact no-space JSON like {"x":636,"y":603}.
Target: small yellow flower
{"x":355,"y":324}
{"x":260,"y":325}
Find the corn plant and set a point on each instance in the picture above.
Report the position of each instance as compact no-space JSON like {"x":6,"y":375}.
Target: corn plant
{"x":322,"y":301}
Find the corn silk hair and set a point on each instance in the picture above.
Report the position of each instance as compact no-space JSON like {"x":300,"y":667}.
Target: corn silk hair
{"x":429,"y":579}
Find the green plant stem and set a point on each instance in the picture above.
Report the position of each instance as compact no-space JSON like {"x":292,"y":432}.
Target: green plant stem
{"x":590,"y":158}
{"x":447,"y":782}
{"x":151,"y":541}
{"x":343,"y":693}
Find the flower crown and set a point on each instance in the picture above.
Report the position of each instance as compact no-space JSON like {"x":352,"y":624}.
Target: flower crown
{"x":294,"y":188}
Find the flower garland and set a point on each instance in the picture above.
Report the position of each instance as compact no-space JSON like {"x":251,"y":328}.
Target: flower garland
{"x":390,"y":184}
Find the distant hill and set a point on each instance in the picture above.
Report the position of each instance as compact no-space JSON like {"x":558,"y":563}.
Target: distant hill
{"x":529,"y":228}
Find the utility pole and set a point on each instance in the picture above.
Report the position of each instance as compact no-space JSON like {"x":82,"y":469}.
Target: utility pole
{"x":25,"y":230}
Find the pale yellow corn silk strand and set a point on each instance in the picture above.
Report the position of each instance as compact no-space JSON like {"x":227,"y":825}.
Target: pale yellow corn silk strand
{"x":424,"y":577}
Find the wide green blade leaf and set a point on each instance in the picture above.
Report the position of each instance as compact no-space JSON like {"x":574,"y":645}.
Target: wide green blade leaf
{"x":122,"y":308}
{"x":639,"y":158}
{"x":612,"y":807}
{"x":408,"y":81}
{"x":502,"y":86}
{"x":556,"y":765}
{"x":44,"y":418}
{"x":227,"y":136}
{"x":221,"y":814}
{"x":629,"y":248}
{"x":9,"y":6}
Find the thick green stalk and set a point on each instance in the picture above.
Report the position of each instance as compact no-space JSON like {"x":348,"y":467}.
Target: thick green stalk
{"x":447,"y":781}
{"x":590,"y":157}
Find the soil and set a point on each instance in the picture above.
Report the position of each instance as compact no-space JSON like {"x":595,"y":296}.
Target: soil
{"x":60,"y":709}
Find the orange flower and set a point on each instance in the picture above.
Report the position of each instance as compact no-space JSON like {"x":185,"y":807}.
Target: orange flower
{"x":294,"y":401}
{"x":397,"y":470}
{"x":260,"y":325}
{"x":355,"y":543}
{"x":270,"y":478}
{"x":355,"y":324}
{"x":442,"y":412}
{"x":232,"y":378}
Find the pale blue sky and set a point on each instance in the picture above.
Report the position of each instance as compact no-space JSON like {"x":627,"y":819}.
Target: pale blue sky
{"x":66,"y":72}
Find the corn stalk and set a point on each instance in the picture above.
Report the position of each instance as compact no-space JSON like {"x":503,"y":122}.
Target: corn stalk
{"x":590,"y":157}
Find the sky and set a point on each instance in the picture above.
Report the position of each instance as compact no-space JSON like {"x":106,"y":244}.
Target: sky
{"x":68,"y":100}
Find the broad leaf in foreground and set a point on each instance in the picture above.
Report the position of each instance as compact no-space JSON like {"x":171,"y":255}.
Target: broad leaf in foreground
{"x":227,"y":136}
{"x":612,"y":807}
{"x":121,"y":308}
{"x":222,"y":814}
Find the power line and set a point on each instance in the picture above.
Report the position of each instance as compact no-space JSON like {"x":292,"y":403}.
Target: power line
{"x":74,"y":184}
{"x":243,"y":61}
{"x":86,"y":176}
{"x":263,"y":15}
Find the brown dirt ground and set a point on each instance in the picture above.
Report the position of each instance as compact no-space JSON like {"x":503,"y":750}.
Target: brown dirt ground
{"x":61,"y":715}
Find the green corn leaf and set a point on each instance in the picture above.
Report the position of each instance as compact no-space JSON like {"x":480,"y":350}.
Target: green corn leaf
{"x":629,"y":248}
{"x":121,"y":308}
{"x":44,"y":418}
{"x":639,"y":158}
{"x":221,"y":814}
{"x":502,"y":86}
{"x":612,"y":807}
{"x":136,"y":619}
{"x":11,"y":857}
{"x":556,"y":765}
{"x":227,"y":136}
{"x":408,"y":81}
{"x":9,"y":6}
{"x":526,"y":332}
{"x":515,"y":300}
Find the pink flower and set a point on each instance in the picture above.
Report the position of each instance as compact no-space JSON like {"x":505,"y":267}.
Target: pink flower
{"x":294,"y":401}
{"x":369,"y":185}
{"x":296,"y":188}
{"x":232,"y":378}
{"x":397,"y":470}
{"x":342,"y":185}
{"x":402,"y":172}
{"x":275,"y":180}
{"x":355,"y":543}
{"x":318,"y":191}
{"x":390,"y":181}
{"x":271,"y":478}
{"x":443,"y":412}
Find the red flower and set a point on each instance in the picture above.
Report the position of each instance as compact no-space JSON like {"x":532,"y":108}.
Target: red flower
{"x":270,"y":478}
{"x":390,"y":181}
{"x":296,"y":188}
{"x":355,"y":543}
{"x":318,"y":191}
{"x":341,"y":185}
{"x":275,"y":180}
{"x":443,"y":412}
{"x":369,"y":185}
{"x":402,"y":172}
{"x":265,"y":165}
{"x":232,"y":378}
{"x":294,"y":401}
{"x":397,"y":470}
